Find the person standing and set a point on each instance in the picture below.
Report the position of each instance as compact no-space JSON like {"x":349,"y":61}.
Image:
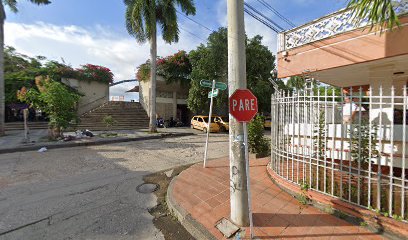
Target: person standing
{"x":350,"y":109}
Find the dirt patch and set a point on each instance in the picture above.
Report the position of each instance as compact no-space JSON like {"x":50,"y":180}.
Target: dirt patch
{"x":163,"y":219}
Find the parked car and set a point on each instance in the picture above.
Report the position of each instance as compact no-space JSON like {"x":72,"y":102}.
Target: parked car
{"x":201,"y":123}
{"x":267,"y":122}
{"x":223,"y":122}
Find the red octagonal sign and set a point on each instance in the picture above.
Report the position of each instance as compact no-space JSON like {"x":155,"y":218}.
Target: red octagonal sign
{"x":243,"y":105}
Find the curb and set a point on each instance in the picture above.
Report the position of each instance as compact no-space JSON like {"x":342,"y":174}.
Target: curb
{"x":195,"y":228}
{"x":95,"y":143}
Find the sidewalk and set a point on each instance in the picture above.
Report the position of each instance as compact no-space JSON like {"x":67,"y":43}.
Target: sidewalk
{"x":13,"y":140}
{"x":200,"y":198}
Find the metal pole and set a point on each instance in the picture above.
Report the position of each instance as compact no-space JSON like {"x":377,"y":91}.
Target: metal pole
{"x":209,"y":123}
{"x":237,"y":80}
{"x":248,"y":180}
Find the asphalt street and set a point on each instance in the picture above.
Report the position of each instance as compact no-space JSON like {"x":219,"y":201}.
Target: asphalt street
{"x":90,"y":192}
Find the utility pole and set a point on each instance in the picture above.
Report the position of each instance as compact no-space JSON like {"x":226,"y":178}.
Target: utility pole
{"x":237,"y":80}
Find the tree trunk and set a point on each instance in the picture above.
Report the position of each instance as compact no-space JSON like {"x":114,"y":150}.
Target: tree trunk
{"x":2,"y":93}
{"x":54,"y":133}
{"x":153,"y":56}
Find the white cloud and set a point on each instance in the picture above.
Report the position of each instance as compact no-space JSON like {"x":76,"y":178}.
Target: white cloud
{"x":100,"y":46}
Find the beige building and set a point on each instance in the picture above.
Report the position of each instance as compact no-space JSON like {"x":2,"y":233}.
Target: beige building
{"x":171,"y":99}
{"x":95,"y":93}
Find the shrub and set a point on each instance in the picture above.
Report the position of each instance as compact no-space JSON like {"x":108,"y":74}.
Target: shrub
{"x":109,"y":121}
{"x":57,"y":100}
{"x":258,"y":144}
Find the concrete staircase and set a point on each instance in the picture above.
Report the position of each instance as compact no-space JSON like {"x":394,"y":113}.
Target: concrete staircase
{"x":11,"y":126}
{"x":128,"y":116}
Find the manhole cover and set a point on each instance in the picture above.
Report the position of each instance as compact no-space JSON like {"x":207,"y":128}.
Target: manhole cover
{"x":147,"y":188}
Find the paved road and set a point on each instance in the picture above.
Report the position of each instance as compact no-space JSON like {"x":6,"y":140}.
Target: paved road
{"x":90,"y":192}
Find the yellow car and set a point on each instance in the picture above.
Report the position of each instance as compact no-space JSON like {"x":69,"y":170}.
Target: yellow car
{"x":267,"y":123}
{"x":201,"y":123}
{"x":223,"y":122}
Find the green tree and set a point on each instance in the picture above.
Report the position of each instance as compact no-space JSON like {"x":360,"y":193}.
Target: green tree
{"x":12,"y":5}
{"x":296,"y":83}
{"x":257,"y":142}
{"x":210,"y":61}
{"x":19,"y":71}
{"x":55,"y":99}
{"x":376,"y":11}
{"x":260,"y":61}
{"x":142,"y":17}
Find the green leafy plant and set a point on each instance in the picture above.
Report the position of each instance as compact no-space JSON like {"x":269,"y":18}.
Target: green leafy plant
{"x":363,"y":224}
{"x":319,"y":136}
{"x":55,"y":99}
{"x":143,"y":72}
{"x":109,"y":121}
{"x":258,"y":144}
{"x":362,"y":135}
{"x":303,"y":197}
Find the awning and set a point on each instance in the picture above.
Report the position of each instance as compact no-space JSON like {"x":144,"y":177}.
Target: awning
{"x":135,"y":89}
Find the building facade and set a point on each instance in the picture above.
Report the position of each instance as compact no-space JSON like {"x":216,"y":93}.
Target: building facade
{"x":171,"y":100}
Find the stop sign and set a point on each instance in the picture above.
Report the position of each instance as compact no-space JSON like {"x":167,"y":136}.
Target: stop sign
{"x":243,"y":105}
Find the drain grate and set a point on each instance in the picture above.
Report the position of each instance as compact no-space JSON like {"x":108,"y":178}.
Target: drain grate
{"x":147,"y":188}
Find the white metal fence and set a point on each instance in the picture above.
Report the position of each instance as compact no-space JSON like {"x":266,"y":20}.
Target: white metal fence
{"x":362,"y":162}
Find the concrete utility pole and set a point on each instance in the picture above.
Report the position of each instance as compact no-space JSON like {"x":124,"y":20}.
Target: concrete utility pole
{"x":237,"y":80}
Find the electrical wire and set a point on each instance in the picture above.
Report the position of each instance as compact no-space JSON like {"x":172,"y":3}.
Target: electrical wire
{"x":267,"y":5}
{"x":192,"y":33}
{"x":264,"y":17}
{"x":198,"y":23}
{"x":260,"y":20}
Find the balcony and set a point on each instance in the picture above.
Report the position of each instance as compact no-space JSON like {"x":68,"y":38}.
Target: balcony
{"x":342,"y":53}
{"x":328,"y":26}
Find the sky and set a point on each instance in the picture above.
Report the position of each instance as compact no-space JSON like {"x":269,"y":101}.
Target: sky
{"x":93,"y":31}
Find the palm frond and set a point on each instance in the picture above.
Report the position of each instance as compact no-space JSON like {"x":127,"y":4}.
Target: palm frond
{"x":12,"y":4}
{"x":167,"y":18}
{"x":40,"y":2}
{"x":187,"y":6}
{"x":377,"y":12}
{"x":135,"y":22}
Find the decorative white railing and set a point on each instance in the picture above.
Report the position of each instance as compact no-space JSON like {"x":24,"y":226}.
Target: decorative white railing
{"x":328,"y":26}
{"x":363,"y":162}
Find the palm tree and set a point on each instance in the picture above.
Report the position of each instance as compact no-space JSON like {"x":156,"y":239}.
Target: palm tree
{"x":377,"y":12}
{"x":142,"y":18}
{"x":12,"y":5}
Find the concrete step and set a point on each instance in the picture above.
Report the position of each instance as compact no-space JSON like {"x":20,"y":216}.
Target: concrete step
{"x":127,"y":116}
{"x":10,"y":126}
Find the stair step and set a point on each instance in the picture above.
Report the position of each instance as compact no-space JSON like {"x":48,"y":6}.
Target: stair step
{"x":127,"y":116}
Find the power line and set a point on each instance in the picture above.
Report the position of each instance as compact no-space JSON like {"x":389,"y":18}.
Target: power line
{"x":267,"y":5}
{"x":265,"y":17}
{"x":202,"y":25}
{"x":192,"y":34}
{"x":261,"y":20}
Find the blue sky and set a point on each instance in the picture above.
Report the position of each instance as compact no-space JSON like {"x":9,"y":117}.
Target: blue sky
{"x":93,"y":31}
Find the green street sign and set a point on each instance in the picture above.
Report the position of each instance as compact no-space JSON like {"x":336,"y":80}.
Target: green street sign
{"x":221,"y":85}
{"x":213,"y":93}
{"x":218,"y":85}
{"x":206,"y":83}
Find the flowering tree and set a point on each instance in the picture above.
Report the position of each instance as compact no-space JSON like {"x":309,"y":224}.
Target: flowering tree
{"x":94,"y":72}
{"x":174,"y":68}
